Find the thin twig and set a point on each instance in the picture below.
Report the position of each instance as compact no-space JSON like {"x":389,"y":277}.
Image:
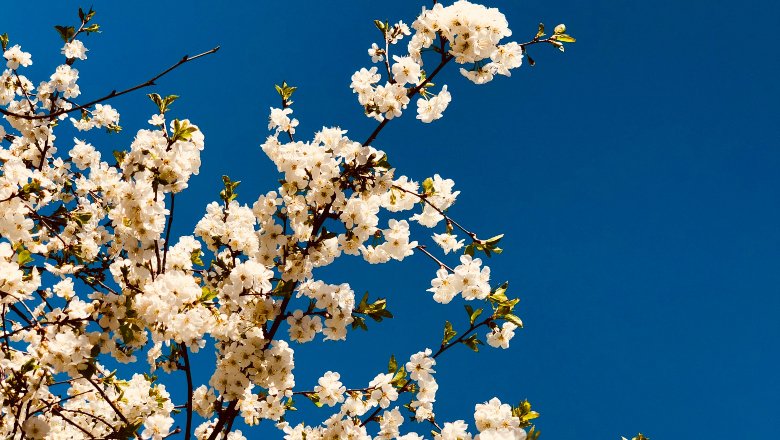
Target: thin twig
{"x":113,"y":94}
{"x":441,"y":265}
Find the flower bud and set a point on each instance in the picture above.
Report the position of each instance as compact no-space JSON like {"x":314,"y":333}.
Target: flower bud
{"x":560,"y":29}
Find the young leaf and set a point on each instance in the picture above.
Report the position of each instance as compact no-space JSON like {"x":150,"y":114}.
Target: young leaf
{"x":514,"y":320}
{"x":473,"y":317}
{"x":393,"y":367}
{"x":92,"y":28}
{"x":195,"y":257}
{"x":127,"y":334}
{"x":472,"y":342}
{"x":4,"y":41}
{"x":315,"y":398}
{"x":494,"y":240}
{"x":541,"y":31}
{"x":66,"y":33}
{"x":119,"y":156}
{"x":449,"y":333}
{"x":428,"y":186}
{"x":207,"y":294}
{"x":565,"y":38}
{"x":383,"y":163}
{"x":25,"y":257}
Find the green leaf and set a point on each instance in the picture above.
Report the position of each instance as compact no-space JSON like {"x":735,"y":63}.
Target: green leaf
{"x":82,"y":217}
{"x":119,"y":156}
{"x":384,"y":313}
{"x":89,"y":369}
{"x":363,"y":303}
{"x":128,"y":431}
{"x":228,"y":193}
{"x":393,"y":367}
{"x":91,"y":14}
{"x":473,"y":317}
{"x":30,"y":188}
{"x":284,"y":289}
{"x":565,"y":38}
{"x":195,"y":257}
{"x":28,"y":366}
{"x":4,"y":41}
{"x":149,"y":378}
{"x":25,"y":257}
{"x":156,"y":99}
{"x":358,"y":321}
{"x":494,"y":240}
{"x":325,"y":235}
{"x":449,"y":333}
{"x":383,"y":163}
{"x":541,"y":31}
{"x":164,"y":103}
{"x":472,"y":342}
{"x":399,"y":377}
{"x":428,"y":186}
{"x":380,"y":26}
{"x":514,"y":320}
{"x":469,"y":250}
{"x":207,"y":294}
{"x":181,"y":130}
{"x":169,"y":100}
{"x":499,"y":291}
{"x":92,"y":28}
{"x":315,"y":398}
{"x":285,"y":92}
{"x":66,"y":33}
{"x":469,"y":310}
{"x":127,"y":334}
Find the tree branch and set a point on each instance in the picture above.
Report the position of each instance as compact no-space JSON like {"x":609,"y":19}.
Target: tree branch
{"x":113,"y":94}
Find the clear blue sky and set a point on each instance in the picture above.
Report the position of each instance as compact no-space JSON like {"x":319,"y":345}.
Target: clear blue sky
{"x":635,"y":177}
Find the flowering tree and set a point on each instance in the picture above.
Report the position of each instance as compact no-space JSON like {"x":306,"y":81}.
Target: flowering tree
{"x":88,"y":269}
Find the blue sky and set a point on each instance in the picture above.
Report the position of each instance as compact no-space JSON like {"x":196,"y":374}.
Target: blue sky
{"x":635,"y":177}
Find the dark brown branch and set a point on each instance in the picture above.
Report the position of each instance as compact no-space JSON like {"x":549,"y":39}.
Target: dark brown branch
{"x":411,"y":93}
{"x":441,"y":265}
{"x":113,"y":94}
{"x":168,"y":236}
{"x":187,"y":370}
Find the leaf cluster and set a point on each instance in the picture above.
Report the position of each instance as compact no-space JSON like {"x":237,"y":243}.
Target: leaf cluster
{"x":228,"y":193}
{"x":285,"y":92}
{"x":67,"y":33}
{"x":486,"y":246}
{"x":182,"y":131}
{"x":162,"y":103}
{"x":503,"y":307}
{"x":376,"y":311}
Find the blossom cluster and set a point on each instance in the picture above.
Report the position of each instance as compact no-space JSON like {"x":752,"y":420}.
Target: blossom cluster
{"x":88,"y":236}
{"x":472,"y":33}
